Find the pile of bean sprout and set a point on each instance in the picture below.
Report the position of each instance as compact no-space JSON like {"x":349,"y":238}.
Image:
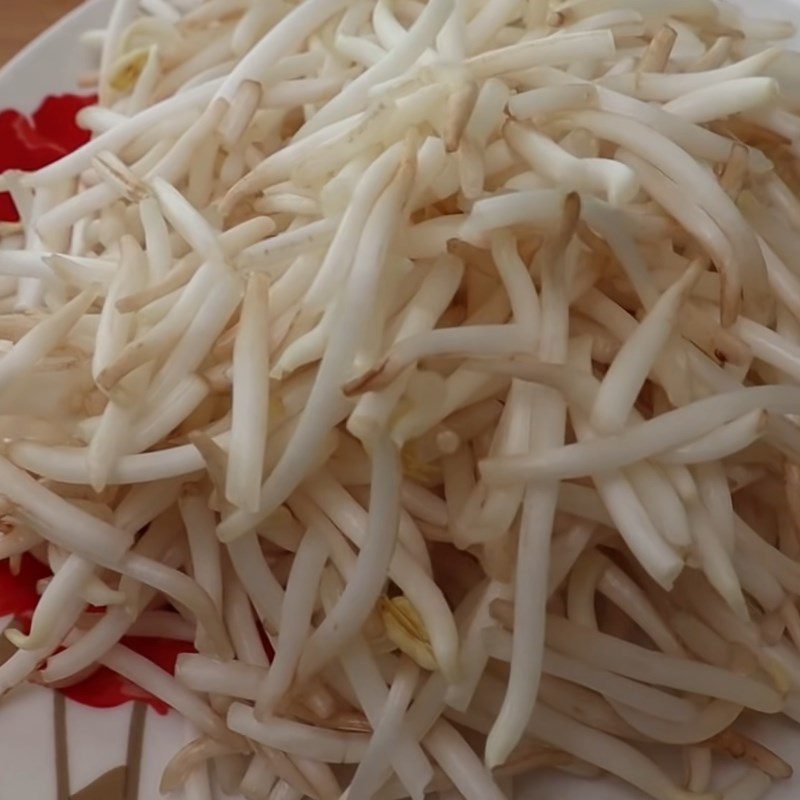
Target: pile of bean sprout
{"x":448,"y":348}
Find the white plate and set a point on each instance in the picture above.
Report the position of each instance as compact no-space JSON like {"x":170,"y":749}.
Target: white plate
{"x":98,"y":739}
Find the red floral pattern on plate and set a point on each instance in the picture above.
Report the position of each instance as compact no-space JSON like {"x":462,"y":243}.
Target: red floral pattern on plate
{"x":103,"y":688}
{"x":18,"y":595}
{"x":106,"y":689}
{"x":29,"y":143}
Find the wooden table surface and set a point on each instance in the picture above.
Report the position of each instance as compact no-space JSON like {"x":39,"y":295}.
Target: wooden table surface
{"x":23,"y":20}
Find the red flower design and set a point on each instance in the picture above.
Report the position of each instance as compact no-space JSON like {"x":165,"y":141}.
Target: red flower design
{"x":56,"y":119}
{"x":18,"y":595}
{"x":29,"y":144}
{"x":105,"y":689}
{"x":32,"y":143}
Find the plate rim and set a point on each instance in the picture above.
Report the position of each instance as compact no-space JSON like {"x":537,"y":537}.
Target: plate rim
{"x":44,"y":39}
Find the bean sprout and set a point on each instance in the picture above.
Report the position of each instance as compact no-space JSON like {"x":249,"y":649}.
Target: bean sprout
{"x":388,"y":336}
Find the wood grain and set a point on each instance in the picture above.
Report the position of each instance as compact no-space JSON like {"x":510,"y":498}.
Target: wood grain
{"x":23,"y":20}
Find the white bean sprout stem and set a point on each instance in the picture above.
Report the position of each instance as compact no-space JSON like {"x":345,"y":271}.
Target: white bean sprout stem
{"x":433,"y":366}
